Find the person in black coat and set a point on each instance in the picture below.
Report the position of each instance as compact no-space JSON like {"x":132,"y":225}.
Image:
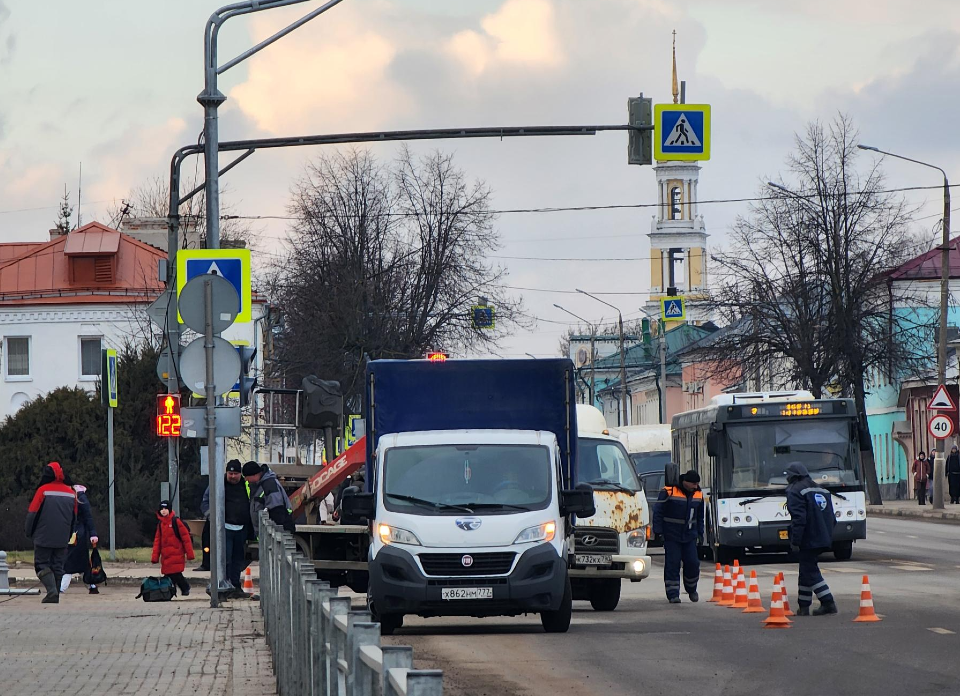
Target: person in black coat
{"x":953,"y":474}
{"x":811,"y":533}
{"x":678,"y":516}
{"x":78,"y":557}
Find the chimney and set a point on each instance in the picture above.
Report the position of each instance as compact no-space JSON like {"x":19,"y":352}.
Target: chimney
{"x":56,"y":233}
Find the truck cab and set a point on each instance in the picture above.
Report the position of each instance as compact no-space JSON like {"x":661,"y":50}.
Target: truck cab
{"x":610,"y":546}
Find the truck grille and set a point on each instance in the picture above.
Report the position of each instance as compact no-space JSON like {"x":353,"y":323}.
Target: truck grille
{"x":452,"y":563}
{"x":607,"y":540}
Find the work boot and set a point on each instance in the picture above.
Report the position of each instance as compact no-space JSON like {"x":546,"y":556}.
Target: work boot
{"x":825,"y":608}
{"x":49,"y":581}
{"x":694,"y":597}
{"x":803,"y":611}
{"x":674,"y":600}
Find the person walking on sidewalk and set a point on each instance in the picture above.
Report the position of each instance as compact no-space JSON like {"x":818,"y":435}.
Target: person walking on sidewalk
{"x":50,"y":520}
{"x":811,"y":533}
{"x":78,"y":557}
{"x":921,"y":474}
{"x":953,"y":474}
{"x":170,"y":542}
{"x":678,"y":516}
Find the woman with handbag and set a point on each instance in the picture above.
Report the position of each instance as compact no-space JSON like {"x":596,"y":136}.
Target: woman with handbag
{"x":78,"y":557}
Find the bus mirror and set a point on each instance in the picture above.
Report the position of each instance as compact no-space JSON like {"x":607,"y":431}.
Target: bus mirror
{"x":713,"y":443}
{"x":671,"y":474}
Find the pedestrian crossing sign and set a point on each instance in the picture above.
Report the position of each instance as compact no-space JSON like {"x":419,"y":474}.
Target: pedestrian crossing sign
{"x":672,"y":309}
{"x":681,"y":132}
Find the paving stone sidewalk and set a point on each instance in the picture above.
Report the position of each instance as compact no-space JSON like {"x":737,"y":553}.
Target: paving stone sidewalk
{"x":114,"y":644}
{"x":912,"y":510}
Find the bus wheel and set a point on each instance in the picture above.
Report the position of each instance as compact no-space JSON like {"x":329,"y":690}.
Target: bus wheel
{"x":843,"y":550}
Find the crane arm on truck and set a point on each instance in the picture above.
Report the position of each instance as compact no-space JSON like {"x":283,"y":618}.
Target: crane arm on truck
{"x":329,"y":477}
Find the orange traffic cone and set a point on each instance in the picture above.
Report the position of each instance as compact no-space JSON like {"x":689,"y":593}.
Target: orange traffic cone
{"x":727,"y":596}
{"x":784,"y":595}
{"x":740,"y":597}
{"x":776,"y":619}
{"x":248,"y":582}
{"x":866,"y":603}
{"x":717,"y":585}
{"x":754,"y":603}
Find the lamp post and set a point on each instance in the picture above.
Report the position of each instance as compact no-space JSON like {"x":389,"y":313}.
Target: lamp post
{"x":938,"y":464}
{"x":593,"y":354}
{"x":623,"y":367}
{"x":662,"y":350}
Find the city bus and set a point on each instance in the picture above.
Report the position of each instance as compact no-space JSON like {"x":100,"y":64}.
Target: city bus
{"x":742,"y":443}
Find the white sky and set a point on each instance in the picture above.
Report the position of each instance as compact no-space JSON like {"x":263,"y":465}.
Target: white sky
{"x":113,"y":85}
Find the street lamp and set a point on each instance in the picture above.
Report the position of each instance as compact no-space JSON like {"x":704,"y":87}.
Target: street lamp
{"x":623,"y":366}
{"x":593,"y":354}
{"x":944,"y":295}
{"x":662,"y":349}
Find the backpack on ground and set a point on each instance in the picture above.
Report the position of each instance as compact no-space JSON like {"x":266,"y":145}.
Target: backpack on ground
{"x":157,"y":589}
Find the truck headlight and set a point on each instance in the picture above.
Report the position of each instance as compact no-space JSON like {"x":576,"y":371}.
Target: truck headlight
{"x":542,"y":532}
{"x":394,"y":535}
{"x":637,"y":538}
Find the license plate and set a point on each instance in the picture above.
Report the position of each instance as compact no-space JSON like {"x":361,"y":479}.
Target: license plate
{"x":784,"y":534}
{"x":466,"y":593}
{"x":592,"y":559}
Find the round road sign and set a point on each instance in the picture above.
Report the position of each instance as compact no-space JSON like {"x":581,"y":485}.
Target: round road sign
{"x":940,"y":426}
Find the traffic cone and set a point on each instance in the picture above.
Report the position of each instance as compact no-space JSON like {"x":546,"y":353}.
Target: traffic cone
{"x":784,"y":595}
{"x":776,"y":619}
{"x":754,"y":603}
{"x":717,"y":585}
{"x":866,"y":603}
{"x":740,"y":597}
{"x":248,"y":582}
{"x":727,"y":596}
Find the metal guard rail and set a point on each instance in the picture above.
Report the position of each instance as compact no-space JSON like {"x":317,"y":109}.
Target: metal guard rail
{"x":319,"y":645}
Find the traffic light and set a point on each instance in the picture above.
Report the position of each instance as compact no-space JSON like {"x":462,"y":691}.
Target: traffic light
{"x":168,"y":415}
{"x":246,"y":383}
{"x":437,"y":356}
{"x":640,"y":142}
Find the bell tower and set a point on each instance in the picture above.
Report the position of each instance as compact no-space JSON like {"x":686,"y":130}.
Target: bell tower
{"x":678,"y":237}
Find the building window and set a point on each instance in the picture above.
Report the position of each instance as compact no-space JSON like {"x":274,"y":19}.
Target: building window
{"x":18,"y":356}
{"x":675,"y":203}
{"x":90,"y":357}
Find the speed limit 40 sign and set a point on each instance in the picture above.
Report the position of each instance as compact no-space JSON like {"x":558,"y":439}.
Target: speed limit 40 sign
{"x":940,"y":426}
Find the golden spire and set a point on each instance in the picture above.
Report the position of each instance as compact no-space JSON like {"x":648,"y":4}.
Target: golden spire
{"x":676,"y":89}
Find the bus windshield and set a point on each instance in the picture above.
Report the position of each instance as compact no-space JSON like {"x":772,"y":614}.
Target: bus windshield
{"x":760,"y":452}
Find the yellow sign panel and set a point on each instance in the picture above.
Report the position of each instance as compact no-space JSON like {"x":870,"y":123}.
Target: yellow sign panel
{"x":681,"y":132}
{"x":673,"y":309}
{"x":231,"y":264}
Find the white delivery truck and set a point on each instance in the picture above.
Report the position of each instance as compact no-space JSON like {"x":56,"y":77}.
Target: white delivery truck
{"x":611,"y":545}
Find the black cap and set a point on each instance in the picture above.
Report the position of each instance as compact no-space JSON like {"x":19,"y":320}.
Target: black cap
{"x":251,"y":468}
{"x":164,"y":505}
{"x":692,"y":476}
{"x":234,"y":466}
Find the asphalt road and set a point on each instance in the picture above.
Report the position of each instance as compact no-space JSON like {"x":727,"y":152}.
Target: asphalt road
{"x":651,"y":647}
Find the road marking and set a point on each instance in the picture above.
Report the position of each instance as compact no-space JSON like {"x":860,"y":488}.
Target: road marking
{"x":855,"y":571}
{"x":879,"y":532}
{"x":909,"y":567}
{"x":911,"y":536}
{"x":942,"y":631}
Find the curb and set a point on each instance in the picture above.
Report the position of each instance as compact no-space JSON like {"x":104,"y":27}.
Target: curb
{"x":924,"y":516}
{"x":124,"y":581}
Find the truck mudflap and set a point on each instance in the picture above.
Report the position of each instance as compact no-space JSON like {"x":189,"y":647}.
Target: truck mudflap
{"x":398,"y":586}
{"x":626,"y":567}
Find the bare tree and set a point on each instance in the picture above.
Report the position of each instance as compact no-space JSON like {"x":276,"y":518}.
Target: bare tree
{"x":805,"y":284}
{"x":385,"y":262}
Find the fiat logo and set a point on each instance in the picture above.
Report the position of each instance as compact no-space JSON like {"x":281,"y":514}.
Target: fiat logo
{"x":589,"y":540}
{"x":467,"y":561}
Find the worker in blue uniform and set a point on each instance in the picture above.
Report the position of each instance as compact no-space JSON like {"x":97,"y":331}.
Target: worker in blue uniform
{"x":678,"y":516}
{"x":811,"y":533}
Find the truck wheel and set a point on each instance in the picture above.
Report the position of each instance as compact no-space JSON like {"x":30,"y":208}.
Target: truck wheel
{"x":605,"y":594}
{"x":559,"y":621}
{"x":389,"y":623}
{"x":843,"y":550}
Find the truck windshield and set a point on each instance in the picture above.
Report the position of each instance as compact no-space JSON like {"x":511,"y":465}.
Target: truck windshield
{"x":444,"y":479}
{"x":605,"y":463}
{"x":761,"y":451}
{"x":645,"y":462}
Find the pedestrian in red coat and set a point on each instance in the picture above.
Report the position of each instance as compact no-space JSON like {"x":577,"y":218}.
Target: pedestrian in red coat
{"x":170,"y":543}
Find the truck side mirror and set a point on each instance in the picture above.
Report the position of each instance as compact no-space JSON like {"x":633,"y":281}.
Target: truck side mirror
{"x":355,"y":505}
{"x":713,"y":443}
{"x":671,"y":474}
{"x":578,"y":502}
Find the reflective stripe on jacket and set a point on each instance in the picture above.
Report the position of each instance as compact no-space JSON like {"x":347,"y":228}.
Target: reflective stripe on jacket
{"x":678,"y":514}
